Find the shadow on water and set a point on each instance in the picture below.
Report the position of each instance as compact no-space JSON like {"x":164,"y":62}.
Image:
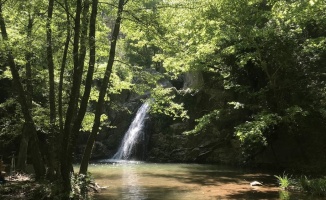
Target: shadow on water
{"x":253,"y":195}
{"x":217,"y":177}
{"x":184,"y":181}
{"x":213,"y":176}
{"x":154,"y":193}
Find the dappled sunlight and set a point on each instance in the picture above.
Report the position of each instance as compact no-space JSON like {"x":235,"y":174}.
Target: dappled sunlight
{"x":181,"y":181}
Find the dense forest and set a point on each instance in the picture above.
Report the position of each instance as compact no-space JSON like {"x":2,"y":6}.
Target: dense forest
{"x":236,"y":82}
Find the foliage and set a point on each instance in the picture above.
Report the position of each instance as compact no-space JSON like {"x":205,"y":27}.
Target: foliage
{"x":88,"y":121}
{"x":52,"y":82}
{"x":315,"y":186}
{"x":11,"y":124}
{"x":263,"y":62}
{"x":284,"y":181}
{"x":163,"y":103}
{"x":204,"y":121}
{"x":284,"y":195}
{"x":253,"y":134}
{"x":29,"y":189}
{"x":5,"y":73}
{"x":266,"y":54}
{"x":81,"y":186}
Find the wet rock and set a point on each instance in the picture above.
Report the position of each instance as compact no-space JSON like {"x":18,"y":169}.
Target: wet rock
{"x":179,"y":126}
{"x":256,"y":183}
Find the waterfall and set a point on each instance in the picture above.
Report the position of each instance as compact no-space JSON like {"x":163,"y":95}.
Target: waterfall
{"x":133,"y":135}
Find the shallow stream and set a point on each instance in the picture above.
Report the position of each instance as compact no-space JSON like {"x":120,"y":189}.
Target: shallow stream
{"x":144,"y":181}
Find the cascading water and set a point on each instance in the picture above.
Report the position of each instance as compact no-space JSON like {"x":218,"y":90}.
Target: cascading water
{"x":133,"y":135}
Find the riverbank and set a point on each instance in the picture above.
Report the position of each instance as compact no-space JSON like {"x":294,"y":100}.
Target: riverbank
{"x":23,"y":186}
{"x":20,"y":186}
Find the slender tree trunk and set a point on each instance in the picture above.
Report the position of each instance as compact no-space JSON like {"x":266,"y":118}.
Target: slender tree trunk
{"x":29,"y":56}
{"x":73,"y":101}
{"x":60,"y":101}
{"x":90,"y":72}
{"x":23,"y":147}
{"x":89,"y":78}
{"x":104,"y":86}
{"x":38,"y":163}
{"x":82,"y":54}
{"x":52,"y":155}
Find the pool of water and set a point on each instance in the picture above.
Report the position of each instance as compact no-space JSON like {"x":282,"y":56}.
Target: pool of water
{"x":144,"y":181}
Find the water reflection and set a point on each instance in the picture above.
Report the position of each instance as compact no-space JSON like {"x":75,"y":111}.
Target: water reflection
{"x":131,"y":188}
{"x":284,"y":195}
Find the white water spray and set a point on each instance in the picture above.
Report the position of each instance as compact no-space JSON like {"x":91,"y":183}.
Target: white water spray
{"x":133,"y":135}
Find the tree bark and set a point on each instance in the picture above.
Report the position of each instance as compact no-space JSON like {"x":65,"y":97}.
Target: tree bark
{"x":60,"y":89}
{"x":38,"y":163}
{"x":73,"y":101}
{"x":82,"y":54}
{"x":23,"y":147}
{"x":99,"y":107}
{"x":90,"y":71}
{"x":51,"y":156}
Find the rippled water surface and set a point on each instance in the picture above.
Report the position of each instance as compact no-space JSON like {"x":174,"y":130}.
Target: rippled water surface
{"x":142,"y":181}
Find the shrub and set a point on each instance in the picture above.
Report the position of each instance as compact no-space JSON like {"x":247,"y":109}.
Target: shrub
{"x":284,"y":181}
{"x":80,"y":185}
{"x":314,"y":186}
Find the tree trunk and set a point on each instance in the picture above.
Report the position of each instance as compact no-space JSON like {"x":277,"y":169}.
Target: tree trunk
{"x":82,"y":54}
{"x":90,"y":72}
{"x":104,"y":86}
{"x":23,"y":147}
{"x":38,"y":163}
{"x":60,"y":101}
{"x":52,"y":156}
{"x":73,"y":101}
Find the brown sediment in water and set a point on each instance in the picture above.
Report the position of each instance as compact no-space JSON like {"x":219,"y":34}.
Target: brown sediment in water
{"x":180,"y":181}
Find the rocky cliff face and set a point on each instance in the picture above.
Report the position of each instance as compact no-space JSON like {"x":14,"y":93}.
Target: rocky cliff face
{"x":164,"y":136}
{"x":166,"y":142}
{"x":121,"y":111}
